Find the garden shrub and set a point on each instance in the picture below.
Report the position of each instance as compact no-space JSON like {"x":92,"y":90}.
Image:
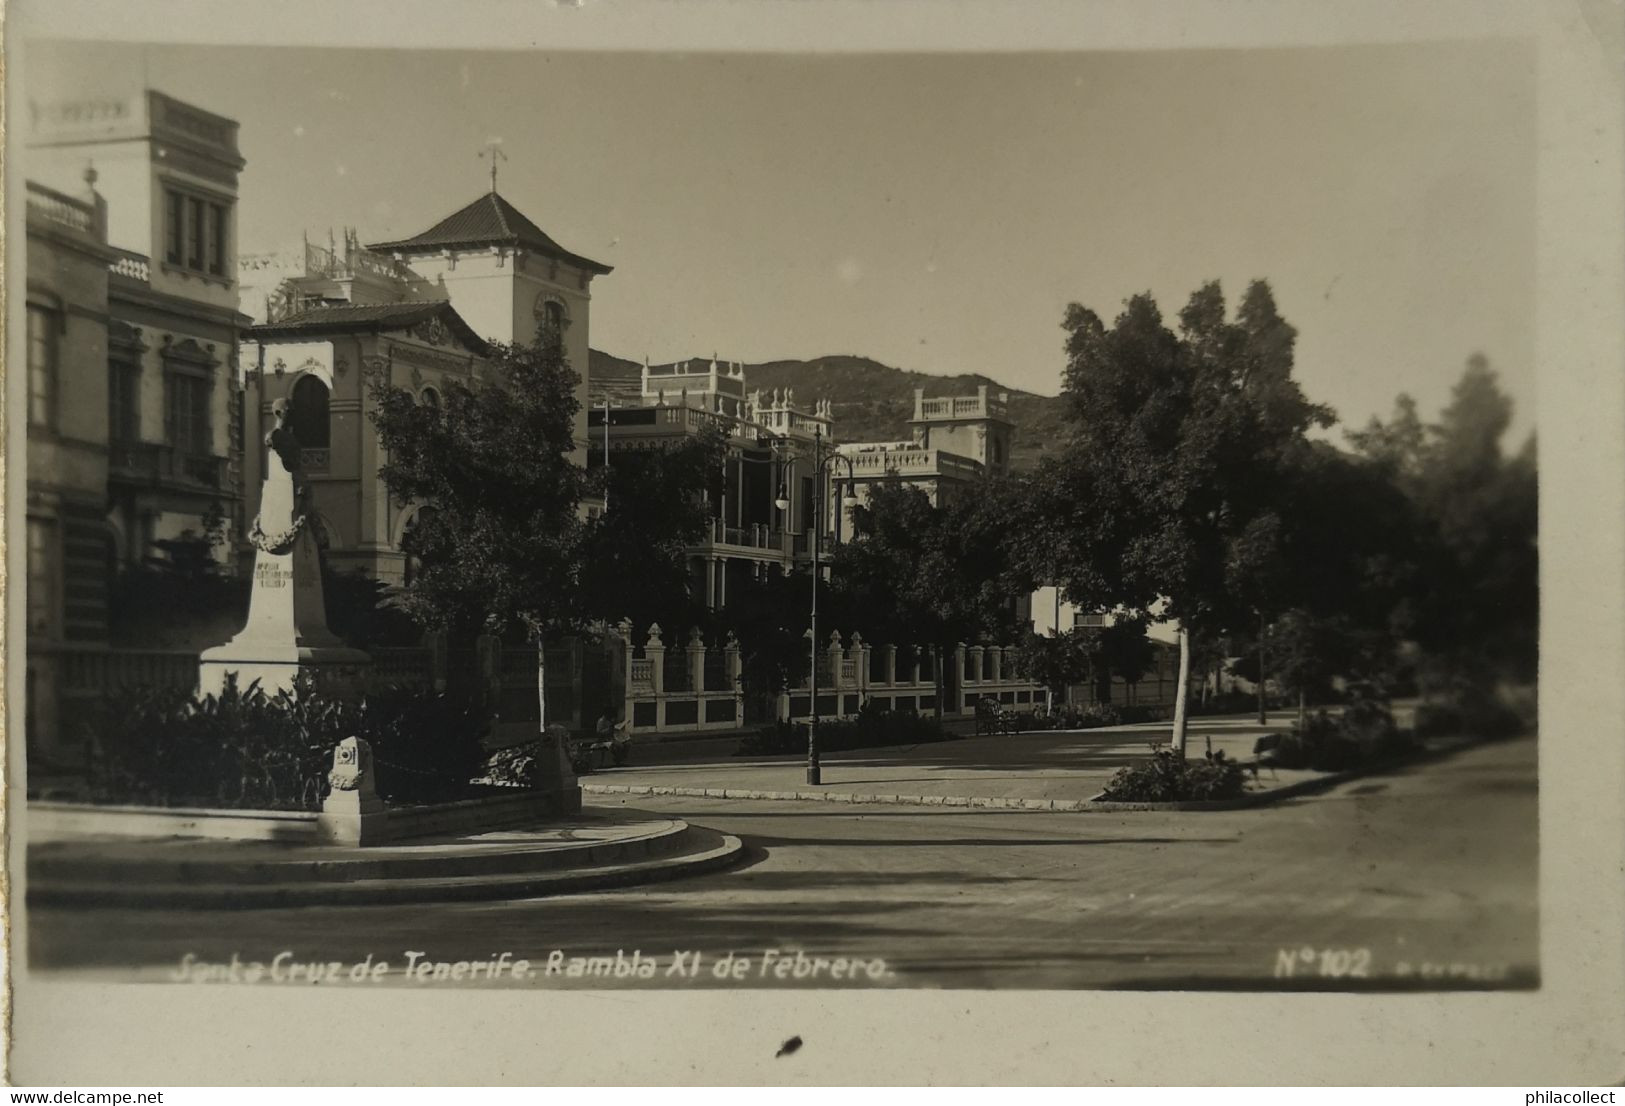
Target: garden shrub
{"x":1099,"y":714}
{"x":244,"y":749}
{"x":1131,"y":713}
{"x":1171,"y":777}
{"x":513,"y":766}
{"x":869,"y":728}
{"x":1363,"y":731}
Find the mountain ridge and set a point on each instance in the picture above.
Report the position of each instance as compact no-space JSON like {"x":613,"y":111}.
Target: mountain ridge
{"x":871,"y":401}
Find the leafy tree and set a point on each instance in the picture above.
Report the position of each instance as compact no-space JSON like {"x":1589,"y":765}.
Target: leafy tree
{"x":633,"y":559}
{"x":937,"y":573}
{"x":1056,"y":660}
{"x":504,"y":543}
{"x":1474,"y":609}
{"x":1174,"y":482}
{"x":1125,"y":650}
{"x":768,"y":616}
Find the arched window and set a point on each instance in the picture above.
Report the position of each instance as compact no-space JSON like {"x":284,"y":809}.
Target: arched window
{"x":307,"y":413}
{"x":430,"y":398}
{"x":551,"y":318}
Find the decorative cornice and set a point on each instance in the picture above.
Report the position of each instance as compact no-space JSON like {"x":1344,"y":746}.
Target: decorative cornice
{"x":446,"y":362}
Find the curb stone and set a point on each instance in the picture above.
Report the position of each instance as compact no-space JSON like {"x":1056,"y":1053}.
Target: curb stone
{"x":1093,"y":803}
{"x":727,"y":851}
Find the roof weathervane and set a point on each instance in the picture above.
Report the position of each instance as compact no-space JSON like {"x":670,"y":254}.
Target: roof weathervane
{"x":493,"y":150}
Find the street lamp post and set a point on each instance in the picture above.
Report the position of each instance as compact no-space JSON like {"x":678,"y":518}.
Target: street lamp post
{"x":821,"y":466}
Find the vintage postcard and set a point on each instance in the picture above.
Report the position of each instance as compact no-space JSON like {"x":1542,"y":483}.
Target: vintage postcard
{"x":635,"y":543}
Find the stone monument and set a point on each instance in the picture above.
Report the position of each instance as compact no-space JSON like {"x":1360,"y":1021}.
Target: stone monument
{"x":286,"y":633}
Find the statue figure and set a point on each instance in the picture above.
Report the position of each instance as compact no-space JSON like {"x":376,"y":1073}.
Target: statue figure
{"x":280,"y":517}
{"x":281,"y":438}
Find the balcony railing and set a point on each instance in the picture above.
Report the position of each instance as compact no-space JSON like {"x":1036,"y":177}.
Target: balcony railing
{"x":153,"y":463}
{"x":132,"y":266}
{"x":950,"y":407}
{"x":913,"y":462}
{"x":755,"y":536}
{"x":61,"y":209}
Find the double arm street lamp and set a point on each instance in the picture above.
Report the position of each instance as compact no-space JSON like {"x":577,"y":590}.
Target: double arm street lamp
{"x":822,"y":465}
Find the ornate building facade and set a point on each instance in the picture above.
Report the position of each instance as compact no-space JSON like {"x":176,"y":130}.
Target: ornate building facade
{"x":421,"y":311}
{"x":172,"y":418}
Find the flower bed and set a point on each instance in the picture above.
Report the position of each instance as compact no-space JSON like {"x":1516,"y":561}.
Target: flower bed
{"x":1170,"y":776}
{"x":247,"y":750}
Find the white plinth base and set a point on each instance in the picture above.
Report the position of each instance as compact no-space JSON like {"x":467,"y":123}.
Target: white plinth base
{"x":277,"y":669}
{"x":350,"y":818}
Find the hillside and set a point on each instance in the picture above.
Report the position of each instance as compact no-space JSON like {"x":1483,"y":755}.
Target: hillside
{"x":872,"y":401}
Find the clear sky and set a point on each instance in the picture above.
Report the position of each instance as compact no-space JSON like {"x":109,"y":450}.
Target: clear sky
{"x":933,"y":211}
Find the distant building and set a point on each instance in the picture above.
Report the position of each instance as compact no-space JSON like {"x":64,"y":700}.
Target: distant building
{"x":771,"y":443}
{"x":957,"y":441}
{"x":1051,"y":613}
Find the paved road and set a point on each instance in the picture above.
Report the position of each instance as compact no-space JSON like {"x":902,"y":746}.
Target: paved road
{"x":1428,"y":870}
{"x":1070,"y":764}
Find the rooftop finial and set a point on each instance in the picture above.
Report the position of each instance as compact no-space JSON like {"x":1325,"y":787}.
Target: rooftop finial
{"x":493,"y":150}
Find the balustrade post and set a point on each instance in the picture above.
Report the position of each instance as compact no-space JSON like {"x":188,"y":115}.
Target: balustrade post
{"x":696,"y":661}
{"x":628,"y":655}
{"x":975,"y":653}
{"x":888,"y":664}
{"x":734,"y":667}
{"x":860,"y":666}
{"x":996,"y":655}
{"x":655,"y":653}
{"x":836,"y":655}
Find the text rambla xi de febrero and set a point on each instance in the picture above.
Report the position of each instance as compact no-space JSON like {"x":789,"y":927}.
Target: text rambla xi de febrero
{"x":417,"y":966}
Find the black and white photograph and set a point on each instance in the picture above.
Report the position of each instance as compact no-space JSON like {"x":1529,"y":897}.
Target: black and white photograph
{"x":718,"y":522}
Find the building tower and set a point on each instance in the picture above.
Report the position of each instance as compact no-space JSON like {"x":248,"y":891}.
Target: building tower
{"x":976,"y":426}
{"x":509,"y":280}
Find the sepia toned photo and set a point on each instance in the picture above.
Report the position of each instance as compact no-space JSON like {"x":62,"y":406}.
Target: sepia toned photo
{"x":767,"y":522}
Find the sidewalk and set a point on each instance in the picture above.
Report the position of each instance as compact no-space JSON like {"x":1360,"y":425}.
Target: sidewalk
{"x":1035,"y":769}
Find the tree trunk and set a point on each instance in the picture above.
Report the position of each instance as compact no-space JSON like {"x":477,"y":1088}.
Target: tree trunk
{"x":1261,"y":677}
{"x":936,"y":666}
{"x":554,"y":769}
{"x":1178,"y":741}
{"x":541,"y":683}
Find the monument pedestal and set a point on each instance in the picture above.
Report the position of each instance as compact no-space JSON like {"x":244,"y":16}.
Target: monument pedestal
{"x":286,"y":635}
